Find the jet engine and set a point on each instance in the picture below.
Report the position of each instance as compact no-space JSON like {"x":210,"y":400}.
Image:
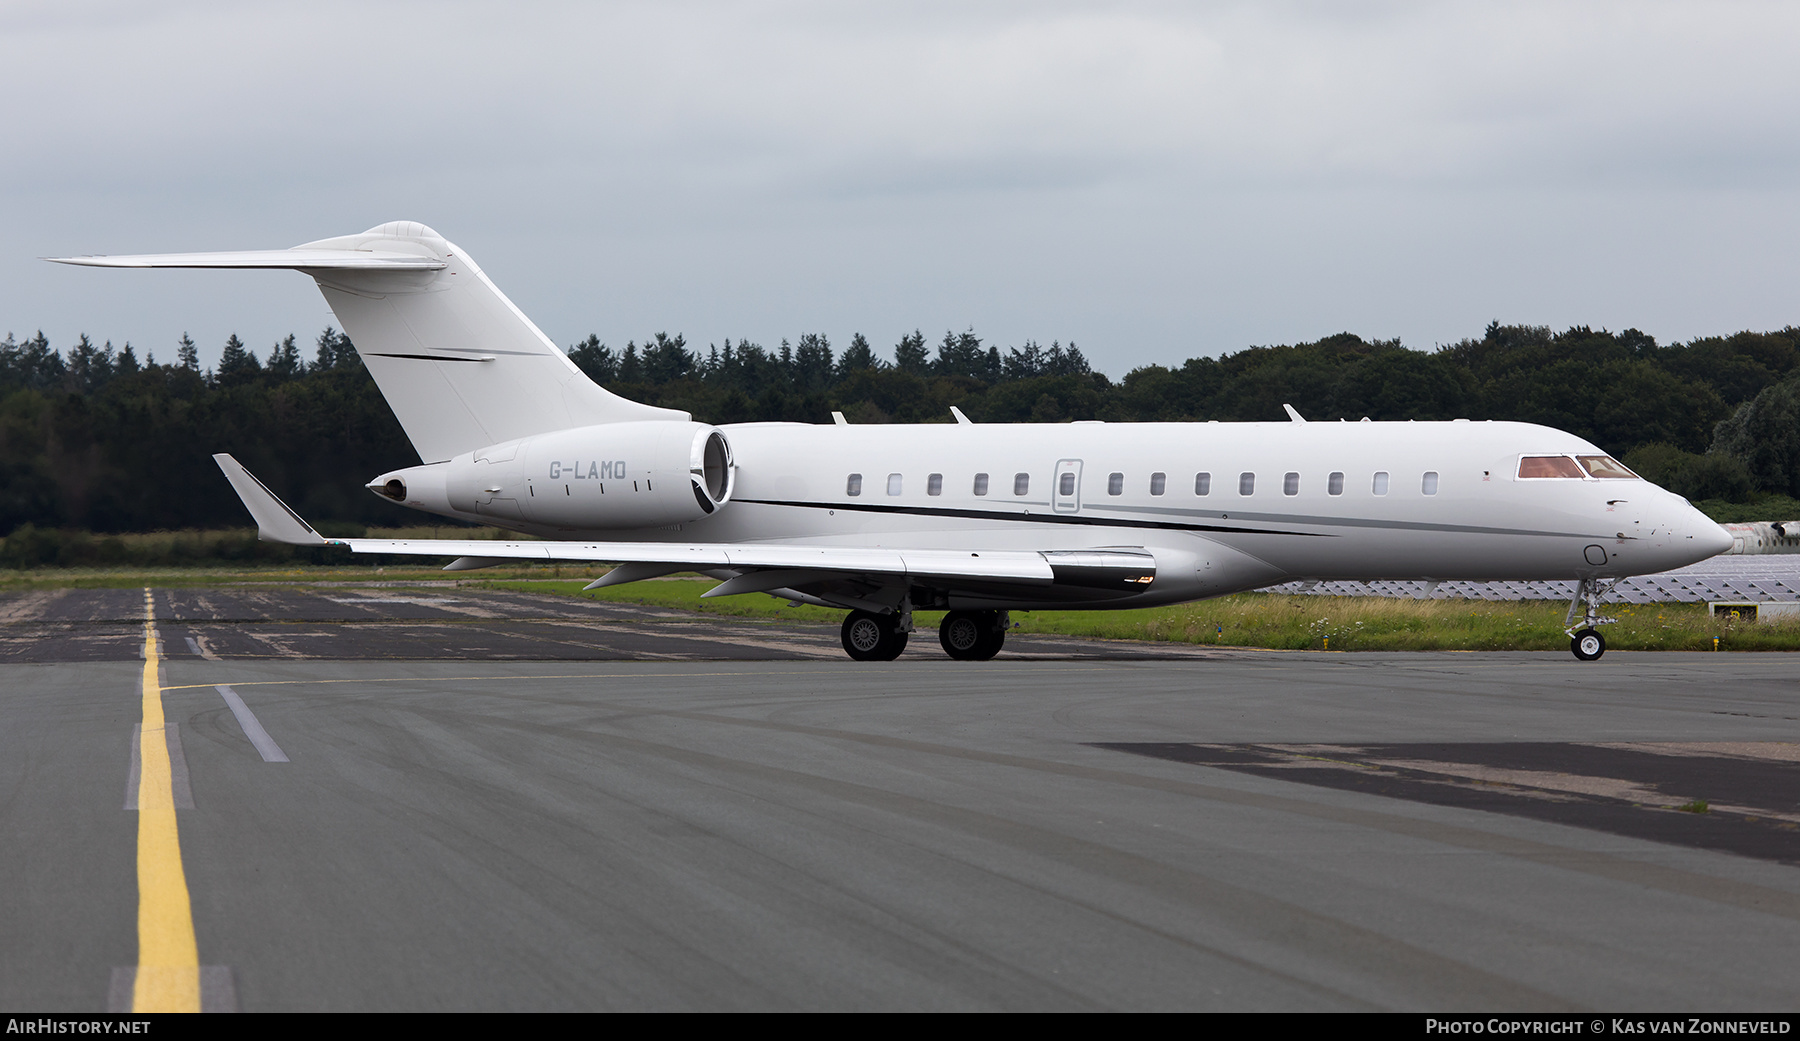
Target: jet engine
{"x":607,"y":477}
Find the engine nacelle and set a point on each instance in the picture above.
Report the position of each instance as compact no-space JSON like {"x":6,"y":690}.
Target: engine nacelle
{"x":611,"y":476}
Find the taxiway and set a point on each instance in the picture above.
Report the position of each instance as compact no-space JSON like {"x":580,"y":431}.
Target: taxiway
{"x":1087,"y":826}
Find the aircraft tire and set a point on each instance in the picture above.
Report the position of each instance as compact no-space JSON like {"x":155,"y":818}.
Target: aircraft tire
{"x":971,"y":635}
{"x":1587,"y":645}
{"x":961,"y":634}
{"x":872,"y":637}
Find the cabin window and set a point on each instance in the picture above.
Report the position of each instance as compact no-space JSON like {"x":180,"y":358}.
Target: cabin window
{"x":1428,"y":484}
{"x":1065,"y":485}
{"x":1546,"y":466}
{"x":1158,"y":483}
{"x":893,"y":484}
{"x":934,"y":484}
{"x":1021,"y":484}
{"x":1381,"y":482}
{"x":1334,"y":485}
{"x":1605,"y":467}
{"x":981,"y":484}
{"x":853,"y":486}
{"x":1115,"y":484}
{"x":1290,"y":483}
{"x":1246,"y":483}
{"x":1203,"y":484}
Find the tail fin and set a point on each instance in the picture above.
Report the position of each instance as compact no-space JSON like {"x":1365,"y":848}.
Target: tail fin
{"x":459,"y":364}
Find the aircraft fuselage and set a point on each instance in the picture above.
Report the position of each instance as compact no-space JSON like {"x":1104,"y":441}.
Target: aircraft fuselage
{"x":1223,"y":506}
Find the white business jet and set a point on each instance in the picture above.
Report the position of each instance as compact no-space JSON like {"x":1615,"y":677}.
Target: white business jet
{"x":975,"y":519}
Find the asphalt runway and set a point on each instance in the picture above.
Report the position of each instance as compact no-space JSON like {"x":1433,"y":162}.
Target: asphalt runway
{"x":1099,"y":827}
{"x":361,"y":621}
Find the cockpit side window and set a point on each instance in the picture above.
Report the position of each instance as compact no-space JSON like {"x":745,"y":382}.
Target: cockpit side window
{"x":1605,"y":467}
{"x":1543,"y":466}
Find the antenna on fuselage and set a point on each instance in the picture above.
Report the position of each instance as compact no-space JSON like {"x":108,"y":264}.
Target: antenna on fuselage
{"x":1293,"y":415}
{"x":961,"y":420}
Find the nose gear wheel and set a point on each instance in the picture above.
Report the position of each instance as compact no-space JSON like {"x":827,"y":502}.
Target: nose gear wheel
{"x":1586,"y":643}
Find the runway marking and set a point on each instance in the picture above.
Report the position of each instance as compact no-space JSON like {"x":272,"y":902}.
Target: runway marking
{"x":218,"y":992}
{"x":253,"y":729}
{"x":200,"y":649}
{"x":167,"y":978}
{"x":181,"y":790}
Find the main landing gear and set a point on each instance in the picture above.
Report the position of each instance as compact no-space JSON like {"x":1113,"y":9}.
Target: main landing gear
{"x":966,"y":635}
{"x":1586,"y":643}
{"x":876,"y":637}
{"x":973,"y":635}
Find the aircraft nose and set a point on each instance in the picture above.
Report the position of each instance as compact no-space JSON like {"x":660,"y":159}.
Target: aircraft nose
{"x":1692,"y":535}
{"x":1710,"y":537}
{"x":1703,"y":538}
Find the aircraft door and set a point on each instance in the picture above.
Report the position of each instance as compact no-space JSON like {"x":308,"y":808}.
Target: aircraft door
{"x":1065,"y":493}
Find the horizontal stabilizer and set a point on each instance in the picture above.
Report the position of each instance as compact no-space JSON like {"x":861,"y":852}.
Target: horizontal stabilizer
{"x":459,"y":364}
{"x":273,"y":259}
{"x":274,"y":521}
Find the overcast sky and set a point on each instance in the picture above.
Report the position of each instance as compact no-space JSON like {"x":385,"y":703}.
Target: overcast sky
{"x":1152,"y":181}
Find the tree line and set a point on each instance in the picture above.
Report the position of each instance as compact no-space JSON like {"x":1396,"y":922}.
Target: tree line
{"x":93,"y":438}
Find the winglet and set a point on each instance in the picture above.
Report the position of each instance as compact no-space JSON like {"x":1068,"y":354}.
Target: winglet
{"x":1293,"y":415}
{"x":274,"y":521}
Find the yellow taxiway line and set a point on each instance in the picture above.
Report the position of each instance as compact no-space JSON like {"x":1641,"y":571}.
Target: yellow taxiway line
{"x":168,"y":968}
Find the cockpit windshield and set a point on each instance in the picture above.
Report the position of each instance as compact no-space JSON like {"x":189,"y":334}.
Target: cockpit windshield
{"x":1605,"y":467}
{"x":1549,"y":466}
{"x":1600,"y":467}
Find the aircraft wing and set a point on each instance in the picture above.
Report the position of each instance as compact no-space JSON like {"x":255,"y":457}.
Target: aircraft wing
{"x":762,"y":566}
{"x":710,"y":556}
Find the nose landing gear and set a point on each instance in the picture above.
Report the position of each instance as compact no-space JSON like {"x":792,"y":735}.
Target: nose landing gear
{"x":1586,"y":643}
